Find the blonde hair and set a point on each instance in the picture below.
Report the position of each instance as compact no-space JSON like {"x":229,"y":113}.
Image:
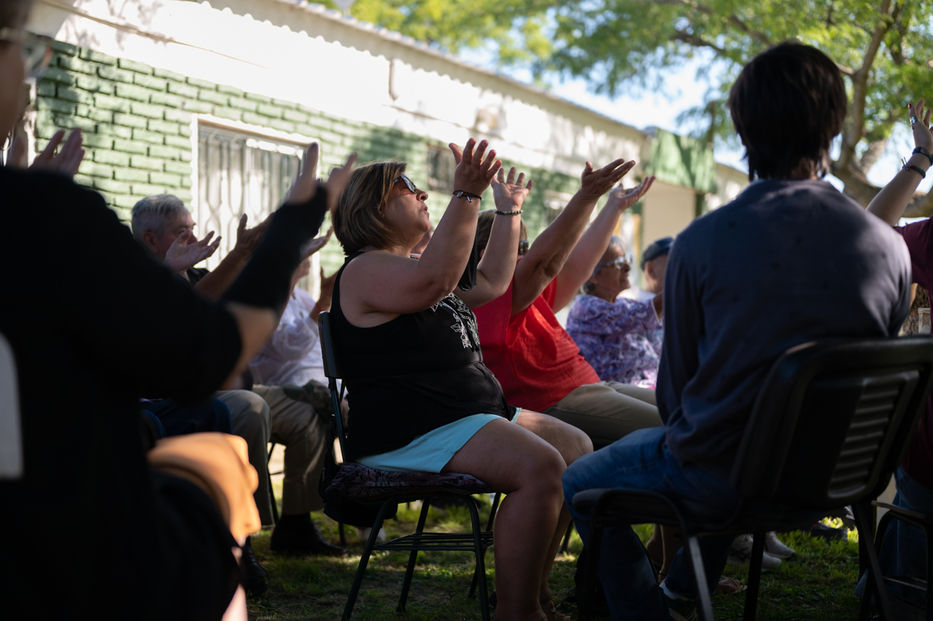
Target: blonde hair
{"x":358,"y":221}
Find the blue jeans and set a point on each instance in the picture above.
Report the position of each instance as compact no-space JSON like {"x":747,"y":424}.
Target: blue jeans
{"x":903,"y":549}
{"x":642,"y":460}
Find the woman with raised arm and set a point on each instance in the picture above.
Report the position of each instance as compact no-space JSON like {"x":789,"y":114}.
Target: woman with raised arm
{"x":420,"y":396}
{"x":902,"y":549}
{"x":537,"y":362}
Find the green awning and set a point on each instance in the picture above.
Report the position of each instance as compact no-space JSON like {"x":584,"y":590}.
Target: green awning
{"x":682,"y":161}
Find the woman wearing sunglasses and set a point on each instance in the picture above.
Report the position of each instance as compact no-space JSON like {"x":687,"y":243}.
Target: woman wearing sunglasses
{"x":420,"y":396}
{"x":619,"y":337}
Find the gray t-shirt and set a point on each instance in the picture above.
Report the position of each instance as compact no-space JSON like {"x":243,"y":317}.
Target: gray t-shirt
{"x":785,"y":263}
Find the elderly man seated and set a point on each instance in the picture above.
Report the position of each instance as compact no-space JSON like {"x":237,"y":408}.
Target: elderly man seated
{"x":164,"y":225}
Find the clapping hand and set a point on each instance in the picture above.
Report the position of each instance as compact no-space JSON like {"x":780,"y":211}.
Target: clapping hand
{"x":595,"y":183}
{"x":316,"y":244}
{"x":509,"y":191}
{"x":305,"y":185}
{"x":248,"y":239}
{"x":474,"y":172}
{"x":66,"y":161}
{"x":187,"y":250}
{"x":337,"y":181}
{"x":623,"y":199}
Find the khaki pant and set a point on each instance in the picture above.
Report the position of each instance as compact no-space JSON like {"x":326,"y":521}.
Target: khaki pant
{"x":606,"y":411}
{"x":296,"y":425}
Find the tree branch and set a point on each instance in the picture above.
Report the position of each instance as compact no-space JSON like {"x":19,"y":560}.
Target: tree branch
{"x":920,"y":206}
{"x":855,"y":126}
{"x":691,"y":39}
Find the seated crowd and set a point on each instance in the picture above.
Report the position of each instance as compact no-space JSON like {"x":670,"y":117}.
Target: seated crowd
{"x":147,"y":407}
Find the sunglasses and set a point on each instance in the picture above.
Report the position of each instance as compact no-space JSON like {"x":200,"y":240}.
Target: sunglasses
{"x":37,"y":49}
{"x":408,"y":183}
{"x":618,"y":263}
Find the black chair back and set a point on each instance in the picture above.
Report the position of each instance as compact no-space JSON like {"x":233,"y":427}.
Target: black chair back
{"x":831,"y":421}
{"x":332,"y":371}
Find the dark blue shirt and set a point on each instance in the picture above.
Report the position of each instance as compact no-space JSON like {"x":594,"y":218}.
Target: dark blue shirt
{"x":785,"y":263}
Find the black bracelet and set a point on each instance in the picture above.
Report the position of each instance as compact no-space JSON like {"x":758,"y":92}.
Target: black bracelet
{"x":514,"y":212}
{"x":925,"y":154}
{"x":916,"y":169}
{"x":469,"y":196}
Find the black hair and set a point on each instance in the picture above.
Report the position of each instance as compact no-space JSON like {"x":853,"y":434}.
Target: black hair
{"x":787,"y":105}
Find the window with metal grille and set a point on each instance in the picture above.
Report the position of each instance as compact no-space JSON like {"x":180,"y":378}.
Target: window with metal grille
{"x":240,"y":171}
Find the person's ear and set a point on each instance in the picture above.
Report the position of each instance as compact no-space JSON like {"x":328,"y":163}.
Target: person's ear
{"x":149,"y":240}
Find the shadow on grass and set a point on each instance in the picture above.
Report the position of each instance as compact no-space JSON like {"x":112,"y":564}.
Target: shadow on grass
{"x":814,"y":585}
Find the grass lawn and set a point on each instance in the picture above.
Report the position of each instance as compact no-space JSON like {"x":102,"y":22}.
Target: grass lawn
{"x":816,"y":584}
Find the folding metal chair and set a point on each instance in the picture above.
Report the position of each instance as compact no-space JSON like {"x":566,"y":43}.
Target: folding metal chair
{"x":384,"y":490}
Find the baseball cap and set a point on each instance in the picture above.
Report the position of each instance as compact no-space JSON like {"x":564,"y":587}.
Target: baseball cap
{"x":656,"y":249}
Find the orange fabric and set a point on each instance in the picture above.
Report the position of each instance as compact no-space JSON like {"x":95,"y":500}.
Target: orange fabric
{"x":218,"y":464}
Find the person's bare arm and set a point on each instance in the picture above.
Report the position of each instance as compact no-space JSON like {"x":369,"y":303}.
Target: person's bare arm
{"x":582,"y":260}
{"x":890,"y":202}
{"x":418,"y":284}
{"x":547,"y":255}
{"x":497,"y":265}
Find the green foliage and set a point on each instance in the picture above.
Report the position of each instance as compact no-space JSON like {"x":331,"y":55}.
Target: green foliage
{"x":617,"y":45}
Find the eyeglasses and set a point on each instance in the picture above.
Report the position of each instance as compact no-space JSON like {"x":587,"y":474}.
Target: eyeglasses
{"x":408,"y":183}
{"x":522,"y":246}
{"x":37,"y":49}
{"x":618,"y":263}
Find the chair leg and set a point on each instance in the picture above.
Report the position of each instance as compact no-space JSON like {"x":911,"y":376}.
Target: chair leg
{"x":754,"y":577}
{"x":492,"y":510}
{"x":585,"y":601}
{"x":863,"y":522}
{"x":566,"y":541}
{"x":929,"y":542}
{"x":704,"y":602}
{"x":275,"y":507}
{"x":413,"y":556}
{"x":479,"y":574}
{"x":364,"y":560}
{"x":864,"y":611}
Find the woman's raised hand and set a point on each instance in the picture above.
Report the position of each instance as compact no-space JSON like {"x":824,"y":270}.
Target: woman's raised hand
{"x":509,"y":191}
{"x":475,"y":166}
{"x":595,"y":183}
{"x":920,"y":125}
{"x":623,"y":199}
{"x":337,"y":181}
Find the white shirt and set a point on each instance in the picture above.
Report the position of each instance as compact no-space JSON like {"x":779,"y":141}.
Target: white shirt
{"x":293,"y":354}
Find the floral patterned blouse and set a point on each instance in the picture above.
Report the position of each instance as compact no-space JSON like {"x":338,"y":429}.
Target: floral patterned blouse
{"x":621,"y":339}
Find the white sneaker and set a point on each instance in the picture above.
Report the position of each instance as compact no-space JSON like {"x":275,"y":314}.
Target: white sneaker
{"x":364,"y":534}
{"x":776,"y":547}
{"x":741,"y":552}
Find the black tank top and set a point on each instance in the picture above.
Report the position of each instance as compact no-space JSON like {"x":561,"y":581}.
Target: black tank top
{"x":412,"y":374}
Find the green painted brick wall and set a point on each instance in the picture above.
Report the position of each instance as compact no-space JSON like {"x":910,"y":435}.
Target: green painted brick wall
{"x":136,"y":121}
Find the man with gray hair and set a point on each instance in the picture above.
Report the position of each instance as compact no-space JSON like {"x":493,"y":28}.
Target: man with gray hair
{"x":163,"y":224}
